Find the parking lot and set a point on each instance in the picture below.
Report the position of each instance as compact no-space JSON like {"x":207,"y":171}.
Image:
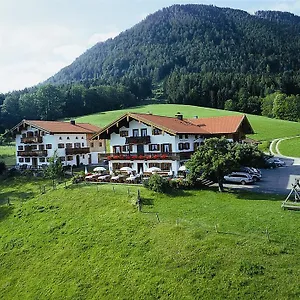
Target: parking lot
{"x":278,"y":180}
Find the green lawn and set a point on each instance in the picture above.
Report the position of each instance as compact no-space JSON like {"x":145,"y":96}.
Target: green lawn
{"x":8,"y":155}
{"x":290,"y":147}
{"x":266,"y":129}
{"x":80,"y":243}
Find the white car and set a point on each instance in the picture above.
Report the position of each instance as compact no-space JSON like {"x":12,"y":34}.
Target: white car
{"x":239,"y":177}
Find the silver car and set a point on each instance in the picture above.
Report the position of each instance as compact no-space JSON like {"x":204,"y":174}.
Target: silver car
{"x":239,"y":177}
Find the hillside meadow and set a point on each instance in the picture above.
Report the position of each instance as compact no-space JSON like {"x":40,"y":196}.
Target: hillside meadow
{"x":90,"y":242}
{"x":266,"y":129}
{"x":290,"y":147}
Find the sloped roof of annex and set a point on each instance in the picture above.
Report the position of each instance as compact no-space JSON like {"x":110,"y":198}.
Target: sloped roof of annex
{"x":61,"y":127}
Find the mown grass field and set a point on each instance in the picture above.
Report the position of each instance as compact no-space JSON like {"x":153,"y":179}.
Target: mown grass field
{"x":84,"y":243}
{"x":8,"y":155}
{"x":266,"y":129}
{"x":290,"y":147}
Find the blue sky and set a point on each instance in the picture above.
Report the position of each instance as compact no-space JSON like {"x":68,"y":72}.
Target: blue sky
{"x":39,"y":37}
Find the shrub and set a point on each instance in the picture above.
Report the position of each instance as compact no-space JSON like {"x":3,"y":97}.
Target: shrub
{"x":2,"y":167}
{"x":156,"y":183}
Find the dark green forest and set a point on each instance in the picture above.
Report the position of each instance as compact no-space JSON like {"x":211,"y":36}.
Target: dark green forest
{"x":191,"y":54}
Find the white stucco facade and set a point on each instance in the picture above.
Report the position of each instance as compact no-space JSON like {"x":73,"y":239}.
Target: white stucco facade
{"x":161,"y":150}
{"x":35,"y":146}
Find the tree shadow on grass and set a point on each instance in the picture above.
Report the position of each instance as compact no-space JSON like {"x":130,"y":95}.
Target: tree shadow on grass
{"x":5,"y":211}
{"x":13,"y":195}
{"x":247,"y":195}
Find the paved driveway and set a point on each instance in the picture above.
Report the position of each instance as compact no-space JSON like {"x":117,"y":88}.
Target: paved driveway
{"x":278,"y":181}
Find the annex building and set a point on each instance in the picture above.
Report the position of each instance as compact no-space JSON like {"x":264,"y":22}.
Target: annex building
{"x":36,"y":142}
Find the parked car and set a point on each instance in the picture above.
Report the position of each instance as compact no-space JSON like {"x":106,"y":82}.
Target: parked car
{"x":239,"y":177}
{"x":277,"y":162}
{"x":255,"y":173}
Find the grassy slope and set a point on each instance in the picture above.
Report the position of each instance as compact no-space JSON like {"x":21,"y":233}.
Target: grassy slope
{"x":8,"y":155}
{"x":290,"y":147}
{"x":265,"y":128}
{"x":83,"y":244}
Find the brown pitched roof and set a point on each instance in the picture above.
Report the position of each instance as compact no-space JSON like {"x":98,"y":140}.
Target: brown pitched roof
{"x":221,"y":125}
{"x":171,"y":124}
{"x":174,"y":126}
{"x":60,"y":127}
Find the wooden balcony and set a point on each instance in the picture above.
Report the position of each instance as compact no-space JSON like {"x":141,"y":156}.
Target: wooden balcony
{"x":32,"y":140}
{"x":145,"y":156}
{"x":75,"y":151}
{"x":31,"y":153}
{"x":138,"y":140}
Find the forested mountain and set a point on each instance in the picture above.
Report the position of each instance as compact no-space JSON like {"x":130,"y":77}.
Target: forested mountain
{"x":193,"y":39}
{"x":191,"y":54}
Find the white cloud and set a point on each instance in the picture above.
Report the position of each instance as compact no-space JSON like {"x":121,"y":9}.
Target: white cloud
{"x":69,"y":52}
{"x":101,"y":37}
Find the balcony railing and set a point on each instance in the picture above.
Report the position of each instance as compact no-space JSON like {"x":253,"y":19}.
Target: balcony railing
{"x":138,"y":140}
{"x":32,"y":140}
{"x":75,"y":151}
{"x":41,"y":153}
{"x":136,"y":156}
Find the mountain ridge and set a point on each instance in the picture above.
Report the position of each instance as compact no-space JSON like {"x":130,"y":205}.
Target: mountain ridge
{"x":160,"y":43}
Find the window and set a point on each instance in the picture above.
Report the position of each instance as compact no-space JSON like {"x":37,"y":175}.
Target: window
{"x":186,"y":136}
{"x":68,"y":145}
{"x":68,"y":138}
{"x":82,"y":137}
{"x":42,"y":159}
{"x":83,"y":156}
{"x":62,"y":158}
{"x":60,"y":138}
{"x":117,"y":149}
{"x":76,"y":138}
{"x":184,"y":146}
{"x":166,"y":148}
{"x":156,"y":131}
{"x":41,"y":147}
{"x":61,"y":146}
{"x":82,"y":144}
{"x":180,"y":136}
{"x":27,"y":159}
{"x":69,"y":158}
{"x":154,"y":147}
{"x":23,"y":135}
{"x":29,"y":134}
{"x":20,"y":148}
{"x":36,"y":133}
{"x":49,"y":146}
{"x":33,"y":147}
{"x":166,"y":166}
{"x":123,"y":133}
{"x":42,"y":133}
{"x":135,"y":132}
{"x":100,"y":144}
{"x":127,"y":148}
{"x":21,"y":159}
{"x":77,"y":145}
{"x":92,"y":145}
{"x":144,"y":132}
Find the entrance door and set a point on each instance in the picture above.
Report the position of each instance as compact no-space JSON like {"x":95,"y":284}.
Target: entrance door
{"x":77,"y":160}
{"x":34,"y":163}
{"x":140,"y":149}
{"x":140,"y":168}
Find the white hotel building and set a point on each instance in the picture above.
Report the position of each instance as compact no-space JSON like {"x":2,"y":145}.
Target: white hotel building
{"x":142,"y":141}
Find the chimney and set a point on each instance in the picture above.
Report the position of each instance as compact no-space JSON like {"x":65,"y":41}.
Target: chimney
{"x":72,"y":122}
{"x":179,"y":116}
